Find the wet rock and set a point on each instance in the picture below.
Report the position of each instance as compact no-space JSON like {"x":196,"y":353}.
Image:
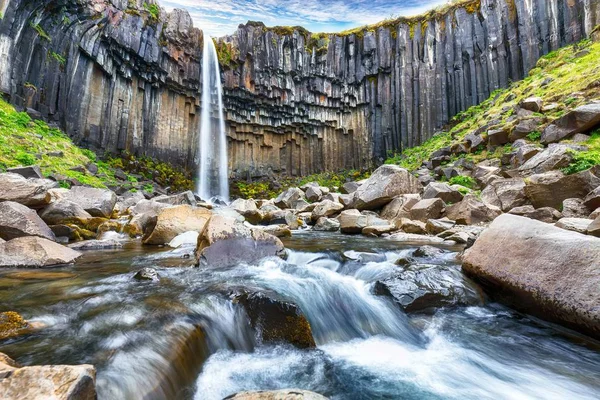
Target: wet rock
{"x":437,"y":226}
{"x":552,"y":188}
{"x":286,"y":394}
{"x":439,"y":190}
{"x":279,"y":231}
{"x":579,"y":225}
{"x":173,"y":221}
{"x":12,"y":325}
{"x":57,"y":382}
{"x":64,"y":211}
{"x":16,"y":220}
{"x":325,"y":224}
{"x":29,"y":192}
{"x":226,"y":241}
{"x":32,"y":171}
{"x":96,"y":245}
{"x":580,"y":120}
{"x":147,"y":274}
{"x":427,"y":209}
{"x":387,"y":182}
{"x":428,"y":252}
{"x":185,"y":198}
{"x":574,"y":208}
{"x":421,"y":288}
{"x":400,"y":206}
{"x":289,"y":198}
{"x":97,"y":202}
{"x":186,"y":238}
{"x":326,"y":208}
{"x":472,"y":211}
{"x":276,"y":320}
{"x":505,"y":194}
{"x":34,"y":252}
{"x":543,"y":214}
{"x":540,"y":269}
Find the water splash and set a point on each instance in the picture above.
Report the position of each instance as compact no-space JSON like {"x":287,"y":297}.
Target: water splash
{"x":213,"y":172}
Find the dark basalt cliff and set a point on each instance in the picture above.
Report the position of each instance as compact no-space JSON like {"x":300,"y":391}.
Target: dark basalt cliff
{"x":117,"y":76}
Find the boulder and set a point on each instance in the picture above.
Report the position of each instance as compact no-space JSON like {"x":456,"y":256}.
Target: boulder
{"x":505,"y":194}
{"x":594,"y":228}
{"x":524,"y":128}
{"x":437,"y":226}
{"x":574,"y":208}
{"x":32,"y":171}
{"x":16,"y":220}
{"x":276,"y":320}
{"x":289,"y":198}
{"x":185,"y":198}
{"x":422,"y":288}
{"x":592,"y":199}
{"x":497,"y":137}
{"x":524,"y":154}
{"x":286,"y":394}
{"x":248,"y":209}
{"x":544,"y":214}
{"x":377,"y":227}
{"x":279,"y":231}
{"x":580,"y":120}
{"x":314,"y":194}
{"x":97,"y":202}
{"x":57,"y":382}
{"x":143,"y":213}
{"x":13,"y":325}
{"x":472,"y":211}
{"x":186,"y":238}
{"x":35,"y":252}
{"x":540,"y":269}
{"x":326,"y":208}
{"x":579,"y":225}
{"x":352,"y":221}
{"x":325,"y":224}
{"x":410,"y":226}
{"x":387,"y":182}
{"x":550,"y":189}
{"x":64,"y":211}
{"x":534,"y":104}
{"x":427,"y":209}
{"x":29,"y":192}
{"x":440,"y":190}
{"x":173,"y":221}
{"x":554,"y":157}
{"x":226,"y":241}
{"x":350,"y":187}
{"x":400,"y":206}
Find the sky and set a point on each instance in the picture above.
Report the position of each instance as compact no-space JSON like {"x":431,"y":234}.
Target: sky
{"x":222,"y":17}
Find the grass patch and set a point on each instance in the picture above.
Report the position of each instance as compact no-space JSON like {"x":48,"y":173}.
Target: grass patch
{"x":583,"y":160}
{"x":41,"y":32}
{"x":465,"y":181}
{"x":153,"y":10}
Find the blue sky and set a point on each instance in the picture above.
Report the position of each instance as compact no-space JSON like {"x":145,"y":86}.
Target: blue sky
{"x":221,"y":17}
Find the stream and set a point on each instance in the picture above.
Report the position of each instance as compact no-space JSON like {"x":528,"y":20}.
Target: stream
{"x":184,"y":338}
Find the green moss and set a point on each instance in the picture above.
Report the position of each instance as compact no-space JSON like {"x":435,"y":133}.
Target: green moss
{"x":59,"y":58}
{"x":583,"y":160}
{"x":534,"y":136}
{"x":11,"y":325}
{"x":226,"y":54}
{"x":153,"y":10}
{"x":40,"y":31}
{"x":465,"y":181}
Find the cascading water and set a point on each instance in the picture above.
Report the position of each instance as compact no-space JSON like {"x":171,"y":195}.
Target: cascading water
{"x":213,"y":173}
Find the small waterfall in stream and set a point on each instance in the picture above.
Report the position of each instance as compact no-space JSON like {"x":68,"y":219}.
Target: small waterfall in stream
{"x":213,"y":170}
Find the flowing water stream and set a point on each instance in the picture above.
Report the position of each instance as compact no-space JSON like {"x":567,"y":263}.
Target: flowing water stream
{"x":184,"y":337}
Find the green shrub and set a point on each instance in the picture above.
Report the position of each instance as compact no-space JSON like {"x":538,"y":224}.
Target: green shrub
{"x":581,"y":162}
{"x":89,"y":154}
{"x":25,"y":159}
{"x":465,"y":181}
{"x":534,"y":136}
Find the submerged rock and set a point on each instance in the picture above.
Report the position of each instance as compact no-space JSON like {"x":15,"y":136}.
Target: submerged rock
{"x":286,"y":394}
{"x":147,"y":274}
{"x":226,"y":241}
{"x":276,"y":320}
{"x":540,"y":269}
{"x":56,"y":382}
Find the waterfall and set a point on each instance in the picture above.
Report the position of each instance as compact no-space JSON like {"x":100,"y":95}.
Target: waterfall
{"x":213,"y":169}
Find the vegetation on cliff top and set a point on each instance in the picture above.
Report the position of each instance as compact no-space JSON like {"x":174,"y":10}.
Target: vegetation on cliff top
{"x":566,"y":78}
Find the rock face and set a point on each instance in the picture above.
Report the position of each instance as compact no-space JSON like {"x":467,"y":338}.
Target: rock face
{"x":60,"y":382}
{"x":226,"y":241}
{"x":296,"y":103}
{"x":17,"y":220}
{"x":540,"y":269}
{"x":35,"y":252}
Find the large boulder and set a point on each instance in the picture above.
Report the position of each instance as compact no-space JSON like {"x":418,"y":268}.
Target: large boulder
{"x":143,"y":213}
{"x":180,"y":199}
{"x":97,"y":202}
{"x":427,"y":287}
{"x":431,"y":208}
{"x":286,"y":394}
{"x":387,"y":182}
{"x":173,"y":221}
{"x":57,"y":382}
{"x":31,"y":171}
{"x":64,"y":211}
{"x":400,"y":206}
{"x":574,"y":208}
{"x":226,"y":241}
{"x":540,"y":269}
{"x":579,"y":225}
{"x":16,"y":220}
{"x":579,"y":120}
{"x":544,"y":214}
{"x":442,"y":191}
{"x":276,"y":320}
{"x":352,"y":221}
{"x":472,"y":211}
{"x":289,"y":198}
{"x":505,"y":193}
{"x":325,"y":224}
{"x":554,"y":157}
{"x":29,"y":192}
{"x":550,"y":189}
{"x":35,"y":252}
{"x":326,"y":208}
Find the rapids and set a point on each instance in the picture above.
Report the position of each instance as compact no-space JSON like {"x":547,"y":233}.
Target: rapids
{"x":184,"y":337}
